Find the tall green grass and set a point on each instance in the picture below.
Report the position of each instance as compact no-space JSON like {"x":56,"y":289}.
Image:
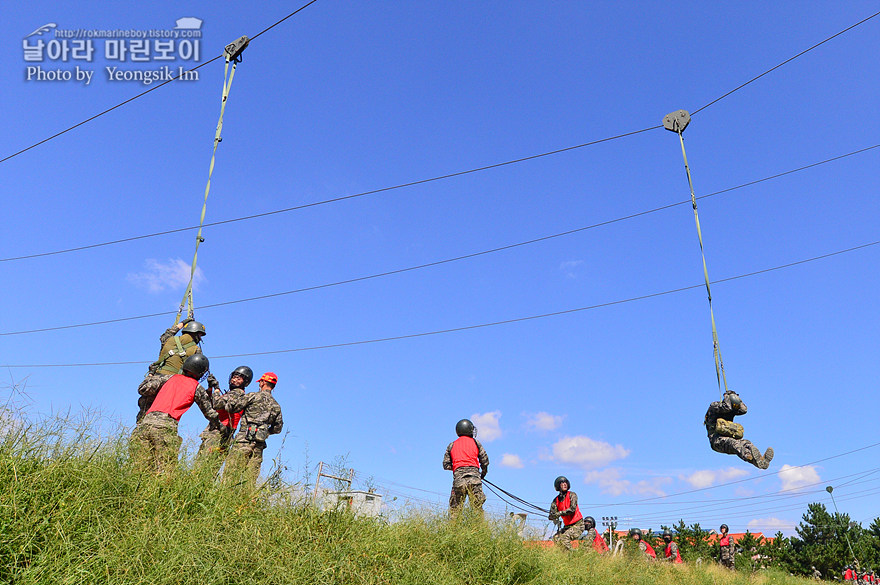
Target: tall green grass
{"x":74,"y":511}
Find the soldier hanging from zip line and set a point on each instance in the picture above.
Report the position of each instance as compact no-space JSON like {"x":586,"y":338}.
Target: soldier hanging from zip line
{"x":726,"y":436}
{"x":465,"y":458}
{"x":174,"y":350}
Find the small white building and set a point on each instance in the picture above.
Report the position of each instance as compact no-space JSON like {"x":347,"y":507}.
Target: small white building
{"x":358,"y":502}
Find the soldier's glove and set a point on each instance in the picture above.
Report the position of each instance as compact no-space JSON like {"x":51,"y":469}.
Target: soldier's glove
{"x":212,"y":382}
{"x":187,"y":320}
{"x":483,"y":473}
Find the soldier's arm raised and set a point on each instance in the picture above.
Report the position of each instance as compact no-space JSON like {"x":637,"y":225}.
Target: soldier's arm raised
{"x":169,"y":333}
{"x":204,"y":401}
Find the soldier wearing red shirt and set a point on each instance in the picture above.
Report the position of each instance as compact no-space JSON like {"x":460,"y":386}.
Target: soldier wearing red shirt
{"x":564,"y":507}
{"x":217,"y":436}
{"x":469,"y":463}
{"x":671,"y":553}
{"x":644,"y":547}
{"x":592,"y":535}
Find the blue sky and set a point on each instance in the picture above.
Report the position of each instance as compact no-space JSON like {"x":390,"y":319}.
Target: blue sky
{"x":345,"y":98}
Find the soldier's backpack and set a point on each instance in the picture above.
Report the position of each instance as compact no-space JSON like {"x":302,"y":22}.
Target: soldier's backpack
{"x":727,"y":428}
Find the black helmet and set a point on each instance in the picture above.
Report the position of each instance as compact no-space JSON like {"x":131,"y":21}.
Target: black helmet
{"x":735,"y":400}
{"x":245,"y":372}
{"x":559,"y":480}
{"x":195,"y":366}
{"x":465,"y":428}
{"x":667,"y":535}
{"x":194,"y":327}
{"x":724,"y":528}
{"x":589,"y":522}
{"x":635,"y":531}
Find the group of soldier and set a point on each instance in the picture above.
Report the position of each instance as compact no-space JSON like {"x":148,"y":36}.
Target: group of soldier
{"x":855,"y":576}
{"x":172,"y":385}
{"x":469,"y":463}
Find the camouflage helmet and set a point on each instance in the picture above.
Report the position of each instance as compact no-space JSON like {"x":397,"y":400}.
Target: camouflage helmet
{"x":635,"y":532}
{"x":195,"y":366}
{"x":245,"y":372}
{"x":589,"y":522}
{"x":667,"y":535}
{"x":194,"y":327}
{"x":558,"y":481}
{"x":465,"y":428}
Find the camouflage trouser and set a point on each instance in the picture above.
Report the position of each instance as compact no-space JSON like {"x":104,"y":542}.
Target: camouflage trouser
{"x":743,"y":448}
{"x":244,"y":461}
{"x":155,"y":442}
{"x":148,"y":390}
{"x":473,"y":491}
{"x":727,"y":560}
{"x":568,"y":533}
{"x":214,"y":447}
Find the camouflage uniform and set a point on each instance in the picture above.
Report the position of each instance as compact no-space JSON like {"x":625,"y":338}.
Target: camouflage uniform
{"x":217,"y":436}
{"x":157,"y":375}
{"x":260,"y":417}
{"x":467,"y":482}
{"x":568,"y":532}
{"x":728,"y":554}
{"x":743,"y":448}
{"x":155,"y":442}
{"x":673,"y":552}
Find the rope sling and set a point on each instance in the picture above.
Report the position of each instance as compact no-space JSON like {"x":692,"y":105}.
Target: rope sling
{"x":677,"y":122}
{"x":232,"y":53}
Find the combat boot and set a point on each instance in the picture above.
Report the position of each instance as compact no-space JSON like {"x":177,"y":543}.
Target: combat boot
{"x":763,"y":461}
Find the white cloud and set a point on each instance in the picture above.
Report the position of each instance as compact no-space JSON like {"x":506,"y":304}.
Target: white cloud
{"x":586,"y":452}
{"x":707,"y":477}
{"x":610,"y":481}
{"x":770,"y":526}
{"x":488,"y":428}
{"x":159,"y":276}
{"x":511,"y":460}
{"x":568,"y":267}
{"x":544,"y":421}
{"x":797,"y":477}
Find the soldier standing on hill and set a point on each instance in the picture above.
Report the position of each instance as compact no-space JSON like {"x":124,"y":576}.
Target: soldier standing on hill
{"x":645,"y":548}
{"x":155,"y":437}
{"x":465,"y":457}
{"x":260,"y":417}
{"x":174,"y":350}
{"x":671,"y":553}
{"x":593,"y":536}
{"x":728,"y":549}
{"x":725,"y":436}
{"x":216,"y":437}
{"x":565,"y":507}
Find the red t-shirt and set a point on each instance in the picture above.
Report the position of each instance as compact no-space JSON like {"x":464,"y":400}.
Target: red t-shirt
{"x":176,"y":396}
{"x":465,"y":453}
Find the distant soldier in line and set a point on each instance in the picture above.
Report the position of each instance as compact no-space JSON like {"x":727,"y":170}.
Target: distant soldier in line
{"x":726,"y":436}
{"x":565,"y":507}
{"x":646,"y":549}
{"x":174,"y":350}
{"x":155,"y":441}
{"x":849,"y":574}
{"x":260,"y":417}
{"x":817,"y":575}
{"x":671,"y":553}
{"x":469,"y":463}
{"x":592,"y":535}
{"x":216,"y":437}
{"x":728,"y":549}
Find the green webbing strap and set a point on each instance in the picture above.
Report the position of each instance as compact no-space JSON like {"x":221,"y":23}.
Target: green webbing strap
{"x":187,"y":299}
{"x":677,"y":122}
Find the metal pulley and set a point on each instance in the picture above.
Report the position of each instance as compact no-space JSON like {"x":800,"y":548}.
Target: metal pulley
{"x":677,"y":121}
{"x":234,"y":49}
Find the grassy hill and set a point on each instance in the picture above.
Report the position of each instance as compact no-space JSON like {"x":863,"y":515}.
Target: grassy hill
{"x":73,"y":511}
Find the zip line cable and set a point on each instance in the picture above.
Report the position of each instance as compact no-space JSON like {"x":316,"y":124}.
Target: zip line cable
{"x":429,"y":264}
{"x":677,"y":122}
{"x":478,"y":326}
{"x":517,"y":498}
{"x":232,"y":53}
{"x":289,"y":209}
{"x":131,"y":99}
{"x":757,"y":77}
{"x":387,"y":188}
